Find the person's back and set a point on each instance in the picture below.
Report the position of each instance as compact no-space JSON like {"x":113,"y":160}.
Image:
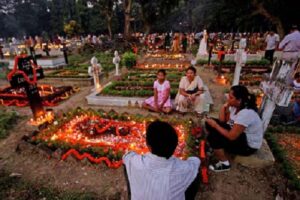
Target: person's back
{"x":291,"y":42}
{"x":154,"y":177}
{"x":158,"y":175}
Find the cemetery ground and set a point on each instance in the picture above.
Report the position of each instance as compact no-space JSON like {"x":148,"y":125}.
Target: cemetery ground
{"x":31,"y":174}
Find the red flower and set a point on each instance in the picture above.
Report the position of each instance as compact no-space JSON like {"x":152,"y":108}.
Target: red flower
{"x":197,"y":131}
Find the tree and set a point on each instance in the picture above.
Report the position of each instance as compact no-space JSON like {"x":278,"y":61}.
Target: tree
{"x":72,"y":28}
{"x":153,"y":10}
{"x":127,"y":4}
{"x":107,"y":8}
{"x":57,"y":17}
{"x":253,"y":14}
{"x":7,"y":6}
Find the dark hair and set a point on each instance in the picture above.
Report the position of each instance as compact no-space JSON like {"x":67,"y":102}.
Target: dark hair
{"x":162,"y":138}
{"x":297,"y":75}
{"x":248,"y":100}
{"x":192,"y":69}
{"x":162,"y":71}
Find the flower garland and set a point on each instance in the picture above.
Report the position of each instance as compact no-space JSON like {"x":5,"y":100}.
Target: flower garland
{"x":203,"y":157}
{"x":108,"y":135}
{"x":16,"y":71}
{"x":50,"y":98}
{"x":110,"y":164}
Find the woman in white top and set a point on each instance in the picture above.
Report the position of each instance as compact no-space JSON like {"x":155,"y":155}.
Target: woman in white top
{"x":238,"y":130}
{"x":190,"y":96}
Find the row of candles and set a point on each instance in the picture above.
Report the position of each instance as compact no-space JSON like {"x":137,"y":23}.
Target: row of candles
{"x":81,"y":131}
{"x":163,"y":66}
{"x":164,"y":55}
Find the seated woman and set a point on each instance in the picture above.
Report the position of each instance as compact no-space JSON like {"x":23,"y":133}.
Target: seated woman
{"x":161,"y":101}
{"x":190,"y":96}
{"x":239,"y":129}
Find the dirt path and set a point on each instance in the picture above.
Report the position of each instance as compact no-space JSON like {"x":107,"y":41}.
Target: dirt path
{"x":36,"y":167}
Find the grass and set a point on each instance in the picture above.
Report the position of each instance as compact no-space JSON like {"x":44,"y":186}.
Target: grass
{"x":7,"y":120}
{"x":3,"y":70}
{"x":82,"y":61}
{"x":285,"y":165}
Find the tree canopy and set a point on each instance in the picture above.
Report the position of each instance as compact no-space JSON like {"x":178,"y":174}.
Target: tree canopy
{"x":36,"y":17}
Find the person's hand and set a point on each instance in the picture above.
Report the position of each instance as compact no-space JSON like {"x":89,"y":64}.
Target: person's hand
{"x":226,"y":106}
{"x":212,"y":123}
{"x":156,"y":107}
{"x":161,"y":106}
{"x":193,"y":97}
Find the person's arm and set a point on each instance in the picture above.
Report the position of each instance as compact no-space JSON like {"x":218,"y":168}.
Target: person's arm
{"x":155,"y":98}
{"x":224,"y":113}
{"x":200,"y":87}
{"x":184,"y":93}
{"x":283,"y":43}
{"x":166,"y":97}
{"x":231,"y":134}
{"x":181,"y":88}
{"x":127,"y":156}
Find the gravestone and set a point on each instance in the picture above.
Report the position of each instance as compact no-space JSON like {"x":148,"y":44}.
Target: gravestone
{"x":25,"y":74}
{"x":240,"y":59}
{"x":116,"y":61}
{"x":95,"y":71}
{"x":276,"y":90}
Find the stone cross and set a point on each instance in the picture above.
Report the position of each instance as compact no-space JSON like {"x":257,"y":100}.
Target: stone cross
{"x":240,"y":59}
{"x":116,"y":61}
{"x":95,"y":71}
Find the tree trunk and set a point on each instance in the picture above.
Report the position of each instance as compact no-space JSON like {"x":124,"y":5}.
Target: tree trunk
{"x":127,"y":11}
{"x":275,"y":20}
{"x":147,"y":27}
{"x":146,"y":24}
{"x":109,"y":19}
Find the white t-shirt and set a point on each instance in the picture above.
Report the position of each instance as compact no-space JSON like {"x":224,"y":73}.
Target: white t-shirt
{"x":272,"y":41}
{"x":253,"y":124}
{"x":152,"y":177}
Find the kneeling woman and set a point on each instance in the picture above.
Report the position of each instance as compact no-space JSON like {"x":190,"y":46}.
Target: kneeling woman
{"x":238,"y":130}
{"x":161,"y":101}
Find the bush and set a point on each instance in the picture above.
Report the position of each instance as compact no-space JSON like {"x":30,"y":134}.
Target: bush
{"x":129,"y":59}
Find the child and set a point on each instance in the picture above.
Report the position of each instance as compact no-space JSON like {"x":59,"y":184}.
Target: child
{"x":161,"y":101}
{"x":157,"y":174}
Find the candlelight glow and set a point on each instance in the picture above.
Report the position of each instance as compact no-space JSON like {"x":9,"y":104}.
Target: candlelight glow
{"x":50,"y":95}
{"x":48,"y":117}
{"x":87,"y":130}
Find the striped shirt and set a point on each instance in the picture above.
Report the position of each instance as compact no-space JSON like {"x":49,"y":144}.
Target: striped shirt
{"x":291,"y":42}
{"x":157,"y":178}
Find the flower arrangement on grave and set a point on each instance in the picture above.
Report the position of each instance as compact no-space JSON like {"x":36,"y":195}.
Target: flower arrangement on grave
{"x":104,"y":137}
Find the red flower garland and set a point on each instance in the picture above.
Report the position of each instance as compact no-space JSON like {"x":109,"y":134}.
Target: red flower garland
{"x":203,"y":157}
{"x":110,"y":164}
{"x":16,"y":71}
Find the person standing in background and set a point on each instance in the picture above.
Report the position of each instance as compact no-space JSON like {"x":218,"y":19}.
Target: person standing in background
{"x":290,"y":45}
{"x":272,"y":41}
